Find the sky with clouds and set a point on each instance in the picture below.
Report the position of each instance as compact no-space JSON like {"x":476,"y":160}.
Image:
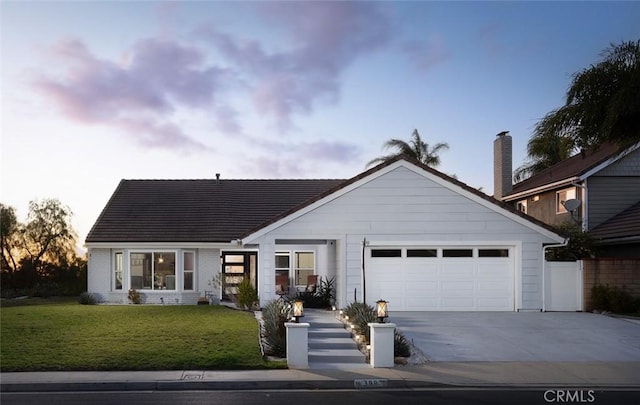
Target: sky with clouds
{"x":93,"y":92}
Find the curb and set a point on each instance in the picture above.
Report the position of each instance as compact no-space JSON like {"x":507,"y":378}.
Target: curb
{"x":369,"y":384}
{"x":215,"y":385}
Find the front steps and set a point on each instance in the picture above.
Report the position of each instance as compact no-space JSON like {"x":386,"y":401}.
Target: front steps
{"x":330,"y":345}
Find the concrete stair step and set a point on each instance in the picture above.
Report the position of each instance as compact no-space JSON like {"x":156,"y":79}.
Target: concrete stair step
{"x":332,"y":346}
{"x":340,"y":358}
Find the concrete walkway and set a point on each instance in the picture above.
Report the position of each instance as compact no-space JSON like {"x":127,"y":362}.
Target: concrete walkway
{"x":475,"y":374}
{"x":330,"y":344}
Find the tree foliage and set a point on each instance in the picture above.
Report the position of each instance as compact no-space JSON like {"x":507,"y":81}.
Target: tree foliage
{"x":416,"y":149}
{"x":580,"y":244}
{"x":40,"y":254}
{"x":48,"y":234}
{"x":602,"y":106}
{"x":8,"y":238}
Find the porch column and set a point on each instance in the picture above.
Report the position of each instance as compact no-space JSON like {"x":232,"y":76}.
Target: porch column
{"x":297,"y":345}
{"x":382,"y":341}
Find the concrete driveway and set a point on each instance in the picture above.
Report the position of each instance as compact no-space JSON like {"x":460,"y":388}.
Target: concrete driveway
{"x":520,"y":336}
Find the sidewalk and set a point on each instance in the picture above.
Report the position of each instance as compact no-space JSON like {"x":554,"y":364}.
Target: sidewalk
{"x":471,"y":374}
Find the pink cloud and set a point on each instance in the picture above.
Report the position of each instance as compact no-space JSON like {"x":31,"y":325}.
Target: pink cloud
{"x":325,"y":38}
{"x":425,"y":55}
{"x":138,"y":96}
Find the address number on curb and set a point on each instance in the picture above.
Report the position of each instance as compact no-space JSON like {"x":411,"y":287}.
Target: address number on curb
{"x":370,"y":383}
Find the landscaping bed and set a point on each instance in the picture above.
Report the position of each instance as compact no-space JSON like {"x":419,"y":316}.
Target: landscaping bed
{"x":69,"y":336}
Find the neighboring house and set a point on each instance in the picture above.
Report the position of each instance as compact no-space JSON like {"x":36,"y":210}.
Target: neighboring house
{"x":606,"y":184}
{"x":400,"y":231}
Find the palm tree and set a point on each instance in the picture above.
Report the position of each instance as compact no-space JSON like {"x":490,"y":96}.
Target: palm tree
{"x":544,"y":150}
{"x":602,"y":107}
{"x":603,"y":102}
{"x":416,"y":149}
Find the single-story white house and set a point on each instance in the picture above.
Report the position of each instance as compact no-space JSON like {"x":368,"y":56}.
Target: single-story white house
{"x":400,"y":231}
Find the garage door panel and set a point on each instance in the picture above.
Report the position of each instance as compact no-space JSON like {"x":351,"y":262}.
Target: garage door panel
{"x":495,"y":285}
{"x":456,"y":288}
{"x":420,"y":303}
{"x":422,"y":287}
{"x":459,"y":303}
{"x":457,"y":269}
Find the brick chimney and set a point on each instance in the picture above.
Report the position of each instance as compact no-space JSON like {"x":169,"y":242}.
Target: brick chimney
{"x":502,"y":166}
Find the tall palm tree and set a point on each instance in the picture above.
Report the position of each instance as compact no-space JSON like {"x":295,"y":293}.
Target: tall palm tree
{"x":603,"y":102}
{"x":602,"y":107}
{"x":416,"y":149}
{"x":544,"y":150}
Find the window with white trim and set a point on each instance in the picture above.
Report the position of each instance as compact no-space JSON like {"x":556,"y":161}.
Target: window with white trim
{"x":188,"y":268}
{"x":562,"y":196}
{"x":282,"y":264}
{"x":153,"y":270}
{"x":304,"y":266}
{"x":118,"y":258}
{"x":522,"y":206}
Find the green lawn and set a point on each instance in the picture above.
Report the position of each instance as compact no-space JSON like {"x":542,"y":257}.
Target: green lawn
{"x":69,"y":336}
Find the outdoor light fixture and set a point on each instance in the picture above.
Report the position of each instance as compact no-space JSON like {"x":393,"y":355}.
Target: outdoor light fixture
{"x":381,"y":310}
{"x":161,"y":259}
{"x":298,"y":310}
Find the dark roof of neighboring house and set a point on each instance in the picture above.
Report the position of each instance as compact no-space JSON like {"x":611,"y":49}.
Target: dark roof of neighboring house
{"x":575,"y":166}
{"x":624,"y":225}
{"x":224,"y":210}
{"x":197,"y":210}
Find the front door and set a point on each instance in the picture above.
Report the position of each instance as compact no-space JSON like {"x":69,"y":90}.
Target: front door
{"x":236,"y":267}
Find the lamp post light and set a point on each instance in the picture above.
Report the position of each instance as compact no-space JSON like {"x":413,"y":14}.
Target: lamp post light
{"x":381,"y":310}
{"x":298,"y":310}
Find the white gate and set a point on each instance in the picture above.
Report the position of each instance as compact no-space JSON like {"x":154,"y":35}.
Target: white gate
{"x":563,"y":286}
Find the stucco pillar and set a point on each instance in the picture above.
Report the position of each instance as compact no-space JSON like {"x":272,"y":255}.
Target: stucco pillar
{"x":297,"y":345}
{"x":382,"y":340}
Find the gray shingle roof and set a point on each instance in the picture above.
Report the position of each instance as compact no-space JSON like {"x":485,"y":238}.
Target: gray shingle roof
{"x":624,"y":225}
{"x":197,"y":210}
{"x":574,"y":166}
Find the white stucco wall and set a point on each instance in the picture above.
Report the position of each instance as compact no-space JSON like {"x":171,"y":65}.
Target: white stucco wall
{"x":99,"y":274}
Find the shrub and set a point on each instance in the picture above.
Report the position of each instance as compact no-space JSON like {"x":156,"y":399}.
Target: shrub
{"x":134,"y":296}
{"x":360,"y":315}
{"x":274,"y":316}
{"x":401,"y":346}
{"x":613,"y":299}
{"x":247,"y":297}
{"x":323,"y":297}
{"x":86,"y":298}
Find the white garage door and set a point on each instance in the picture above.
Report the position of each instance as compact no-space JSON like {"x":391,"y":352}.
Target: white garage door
{"x":441,"y":278}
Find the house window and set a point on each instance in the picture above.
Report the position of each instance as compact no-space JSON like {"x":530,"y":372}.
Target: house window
{"x":457,"y":252}
{"x":493,"y":252}
{"x":422,"y":253}
{"x":386,"y":252}
{"x":522,"y":206}
{"x":283,"y":264}
{"x":117,"y":271}
{"x":562,"y":196}
{"x":153,"y":270}
{"x":188,"y":267}
{"x":304,"y":267}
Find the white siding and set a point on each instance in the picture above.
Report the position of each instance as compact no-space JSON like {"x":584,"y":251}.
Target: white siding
{"x":99,"y":273}
{"x":208,"y":265}
{"x":404,"y":206}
